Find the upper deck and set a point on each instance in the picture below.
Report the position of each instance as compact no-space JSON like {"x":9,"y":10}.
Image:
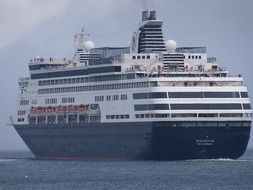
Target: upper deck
{"x":147,"y":55}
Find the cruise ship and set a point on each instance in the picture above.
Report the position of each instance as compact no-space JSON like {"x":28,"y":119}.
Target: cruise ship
{"x":149,"y":101}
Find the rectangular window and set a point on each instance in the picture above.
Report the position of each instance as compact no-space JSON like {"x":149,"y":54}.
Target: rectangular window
{"x":203,"y":94}
{"x":158,"y":107}
{"x":99,"y":98}
{"x":150,"y":95}
{"x":206,"y":106}
{"x":92,"y":88}
{"x":244,"y":94}
{"x":115,"y":97}
{"x":108,"y":98}
{"x":231,"y":115}
{"x":145,"y":107}
{"x":185,"y":94}
{"x":157,"y":115}
{"x":21,"y":119}
{"x":141,"y":107}
{"x":140,"y":96}
{"x":157,"y":95}
{"x":123,"y":97}
{"x":184,"y":115}
{"x":117,"y":116}
{"x":221,"y":94}
{"x":208,"y":115}
{"x":51,"y":101}
{"x":21,"y":112}
{"x":24,"y":102}
{"x":246,"y":106}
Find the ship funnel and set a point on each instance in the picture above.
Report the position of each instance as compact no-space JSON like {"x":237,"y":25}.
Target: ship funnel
{"x":152,"y":15}
{"x":144,"y":16}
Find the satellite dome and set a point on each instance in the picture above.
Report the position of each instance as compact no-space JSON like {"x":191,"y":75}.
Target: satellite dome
{"x":171,"y":45}
{"x":89,"y":45}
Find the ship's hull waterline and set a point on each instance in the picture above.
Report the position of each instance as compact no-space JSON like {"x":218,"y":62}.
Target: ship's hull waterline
{"x":134,"y":141}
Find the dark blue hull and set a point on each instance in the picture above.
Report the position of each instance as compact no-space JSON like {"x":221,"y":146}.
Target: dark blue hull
{"x":144,"y":140}
{"x":200,"y":142}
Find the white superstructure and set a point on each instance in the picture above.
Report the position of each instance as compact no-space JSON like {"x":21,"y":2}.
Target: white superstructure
{"x":153,"y":82}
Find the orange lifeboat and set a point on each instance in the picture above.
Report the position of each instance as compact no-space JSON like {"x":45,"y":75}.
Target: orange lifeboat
{"x":81,"y":108}
{"x":75,"y":108}
{"x":64,"y":108}
{"x":32,"y":111}
{"x":40,"y":110}
{"x":49,"y":109}
{"x":70,"y":108}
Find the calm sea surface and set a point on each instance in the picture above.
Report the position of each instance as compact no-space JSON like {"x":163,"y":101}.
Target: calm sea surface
{"x":19,"y":170}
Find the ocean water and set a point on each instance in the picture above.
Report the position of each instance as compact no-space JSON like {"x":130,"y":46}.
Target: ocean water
{"x":19,"y":170}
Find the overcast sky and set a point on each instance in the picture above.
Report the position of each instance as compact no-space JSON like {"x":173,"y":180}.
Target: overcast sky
{"x":44,"y":27}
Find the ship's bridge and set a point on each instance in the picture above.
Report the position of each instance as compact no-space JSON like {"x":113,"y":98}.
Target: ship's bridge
{"x":40,"y":63}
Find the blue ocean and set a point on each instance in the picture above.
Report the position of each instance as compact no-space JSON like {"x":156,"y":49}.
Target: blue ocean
{"x":19,"y":170}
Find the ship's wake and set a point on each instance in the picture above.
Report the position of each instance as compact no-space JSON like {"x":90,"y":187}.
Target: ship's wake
{"x":8,"y":160}
{"x":219,"y":160}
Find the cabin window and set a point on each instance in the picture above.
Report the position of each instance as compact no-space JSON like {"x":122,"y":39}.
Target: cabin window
{"x":24,"y":102}
{"x":145,"y":107}
{"x":244,"y":94}
{"x":206,"y":106}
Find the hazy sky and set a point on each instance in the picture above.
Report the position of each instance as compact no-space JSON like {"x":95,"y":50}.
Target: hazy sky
{"x":44,"y":27}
